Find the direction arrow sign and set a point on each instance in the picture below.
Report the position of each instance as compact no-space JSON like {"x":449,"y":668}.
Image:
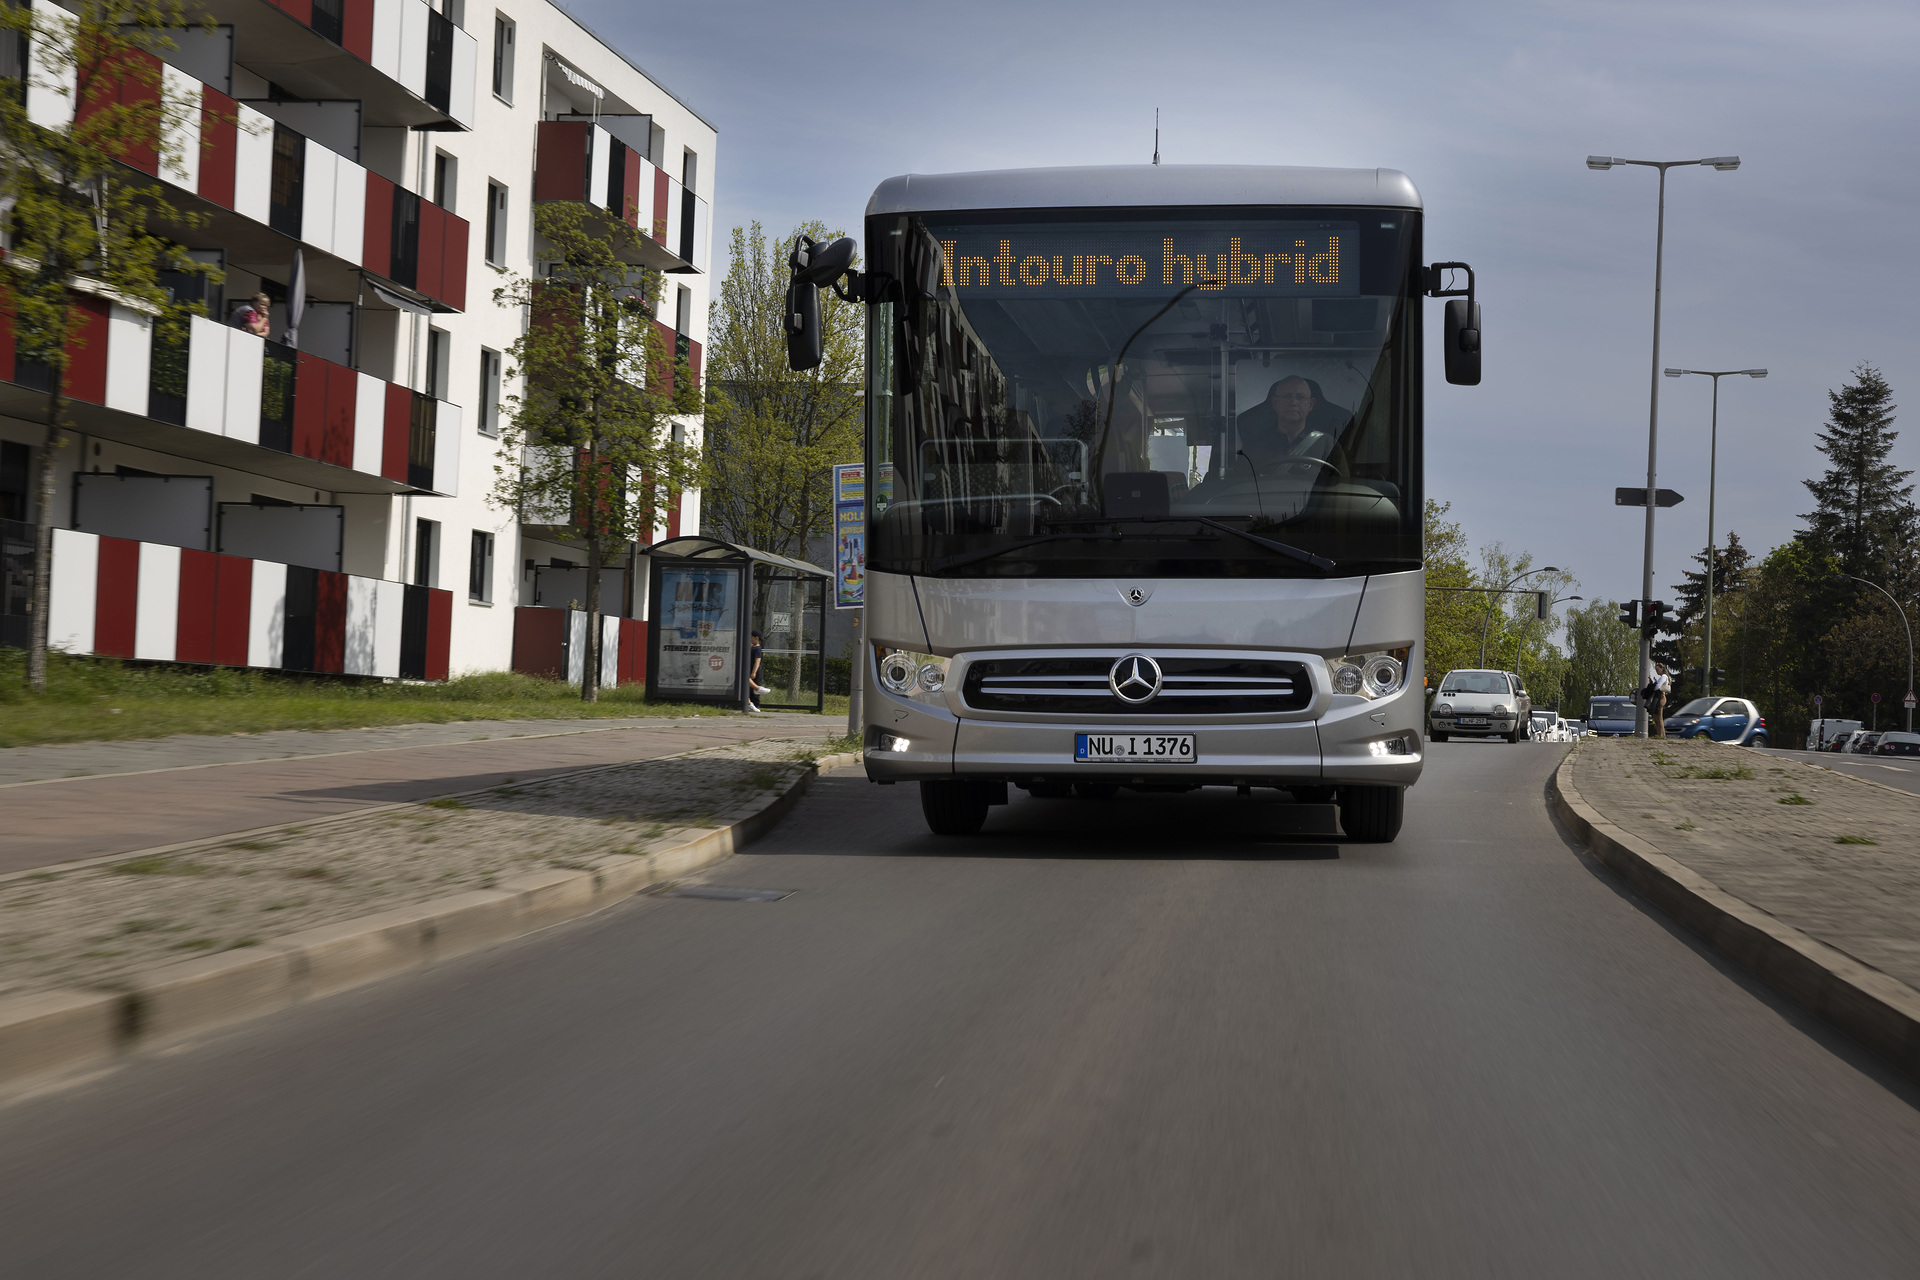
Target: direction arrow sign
{"x":1638,"y":497}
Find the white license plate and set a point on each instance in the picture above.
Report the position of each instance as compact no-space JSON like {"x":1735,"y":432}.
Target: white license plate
{"x":1133,"y":748}
{"x":1473,"y":719}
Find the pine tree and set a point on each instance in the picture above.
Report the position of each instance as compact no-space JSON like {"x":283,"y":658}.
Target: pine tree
{"x":1678,"y":643}
{"x":1863,"y":515}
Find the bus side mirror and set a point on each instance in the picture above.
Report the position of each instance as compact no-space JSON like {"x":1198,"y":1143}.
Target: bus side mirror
{"x":1463,"y":342}
{"x":802,"y":323}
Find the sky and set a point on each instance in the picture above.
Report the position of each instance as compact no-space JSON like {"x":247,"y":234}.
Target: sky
{"x":1802,"y":261}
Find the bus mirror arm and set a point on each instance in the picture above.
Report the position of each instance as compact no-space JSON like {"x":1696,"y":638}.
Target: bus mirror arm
{"x":1462,"y":344}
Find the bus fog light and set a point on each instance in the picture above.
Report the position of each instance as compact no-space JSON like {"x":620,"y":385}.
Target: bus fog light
{"x":894,"y":742}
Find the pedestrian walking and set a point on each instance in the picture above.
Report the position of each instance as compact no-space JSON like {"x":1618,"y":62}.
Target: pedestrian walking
{"x":1657,"y":706}
{"x":756,"y":654}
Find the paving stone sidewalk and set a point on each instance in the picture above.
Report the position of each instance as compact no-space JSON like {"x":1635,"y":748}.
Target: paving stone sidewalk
{"x":90,"y":927}
{"x":1832,"y":855}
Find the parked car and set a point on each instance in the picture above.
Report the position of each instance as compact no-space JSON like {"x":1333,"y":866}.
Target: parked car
{"x":1611,"y":716}
{"x":1846,"y":744}
{"x":1825,"y":735}
{"x":1898,"y":744}
{"x":1863,"y":743}
{"x":1733,"y":720}
{"x":1576,"y":728}
{"x":1480,"y":704}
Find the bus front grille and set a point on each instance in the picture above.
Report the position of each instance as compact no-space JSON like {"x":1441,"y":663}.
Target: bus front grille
{"x":1189,"y":686}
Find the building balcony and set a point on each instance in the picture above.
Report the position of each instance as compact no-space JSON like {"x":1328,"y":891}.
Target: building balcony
{"x":580,"y":161}
{"x":230,"y":399}
{"x":149,"y":601}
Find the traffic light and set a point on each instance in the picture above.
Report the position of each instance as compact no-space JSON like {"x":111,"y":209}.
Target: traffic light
{"x":1630,"y":614}
{"x":1655,"y":615}
{"x":1543,"y":605}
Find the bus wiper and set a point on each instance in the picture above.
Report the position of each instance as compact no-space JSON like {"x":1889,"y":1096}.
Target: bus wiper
{"x":1321,"y":563}
{"x":975,"y":557}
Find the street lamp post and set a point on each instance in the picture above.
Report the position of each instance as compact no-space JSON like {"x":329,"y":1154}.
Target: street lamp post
{"x":1903,"y":622}
{"x":1520,"y":642}
{"x":1487,"y":617}
{"x":1713,"y":463}
{"x":1724,"y":164}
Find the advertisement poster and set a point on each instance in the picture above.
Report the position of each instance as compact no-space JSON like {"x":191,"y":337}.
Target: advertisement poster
{"x":700,"y":632}
{"x":849,"y":535}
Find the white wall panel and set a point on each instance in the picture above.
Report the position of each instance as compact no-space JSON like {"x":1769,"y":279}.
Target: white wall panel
{"x":73,"y":590}
{"x":207,"y":376}
{"x":466,"y":58}
{"x":363,"y":600}
{"x":349,"y":210}
{"x":369,"y":423}
{"x":246,"y":356}
{"x":702,"y":233}
{"x":156,"y":617}
{"x":316,"y":197}
{"x":386,"y":36}
{"x":267,"y":625}
{"x":183,"y":133}
{"x":576,"y":646}
{"x":413,"y":46}
{"x":388,"y":611}
{"x":597,"y":167}
{"x":253,"y":165}
{"x":129,"y":359}
{"x":674,"y":207}
{"x":609,"y":650}
{"x":50,"y":104}
{"x":446,"y":449}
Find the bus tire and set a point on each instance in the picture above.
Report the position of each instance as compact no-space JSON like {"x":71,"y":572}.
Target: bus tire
{"x":1371,"y":815}
{"x":1096,"y":790}
{"x":953,"y":807}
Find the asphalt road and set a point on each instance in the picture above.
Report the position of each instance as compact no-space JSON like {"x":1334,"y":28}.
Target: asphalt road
{"x":1187,"y":1037}
{"x":1896,"y":771}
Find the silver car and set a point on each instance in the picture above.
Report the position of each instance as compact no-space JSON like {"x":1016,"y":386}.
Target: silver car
{"x":1480,"y":704}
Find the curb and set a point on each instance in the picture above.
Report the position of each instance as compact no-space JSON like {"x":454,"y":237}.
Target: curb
{"x":1874,"y":1008}
{"x":61,"y":1030}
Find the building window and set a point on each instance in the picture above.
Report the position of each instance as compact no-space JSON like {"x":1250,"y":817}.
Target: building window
{"x":426,"y":542}
{"x":480,"y":568}
{"x":15,"y":460}
{"x":689,"y":169}
{"x":439,"y":353}
{"x":496,"y":245}
{"x":446,"y":180}
{"x":682,"y":309}
{"x":503,"y":58}
{"x":489,"y":392}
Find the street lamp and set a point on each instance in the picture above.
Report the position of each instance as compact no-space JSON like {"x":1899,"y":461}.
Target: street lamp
{"x":1520,"y":643}
{"x":1713,"y":456}
{"x":1488,"y":617}
{"x":1725,"y":164}
{"x":1903,"y":622}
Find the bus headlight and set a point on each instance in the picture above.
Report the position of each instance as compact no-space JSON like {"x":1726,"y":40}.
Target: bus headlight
{"x":909,"y":674}
{"x":1371,"y":675}
{"x":898,"y":671}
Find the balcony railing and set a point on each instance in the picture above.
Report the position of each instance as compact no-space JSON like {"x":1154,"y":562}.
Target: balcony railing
{"x":579,"y":161}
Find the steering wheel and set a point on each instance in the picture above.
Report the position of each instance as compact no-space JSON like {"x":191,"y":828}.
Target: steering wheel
{"x":1307,"y":457}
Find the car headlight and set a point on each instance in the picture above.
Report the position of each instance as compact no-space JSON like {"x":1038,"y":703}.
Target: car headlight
{"x":1499,"y":708}
{"x":1444,"y":709}
{"x":1370,"y":675}
{"x":911,"y":674}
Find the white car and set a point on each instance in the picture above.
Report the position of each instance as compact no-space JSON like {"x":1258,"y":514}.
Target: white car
{"x":1480,"y":704}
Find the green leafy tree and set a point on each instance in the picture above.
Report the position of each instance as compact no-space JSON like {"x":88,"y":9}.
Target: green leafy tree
{"x":1681,"y":643}
{"x":1453,"y":616}
{"x":587,"y":443}
{"x":773,"y":435}
{"x":79,"y":216}
{"x":1603,"y":656}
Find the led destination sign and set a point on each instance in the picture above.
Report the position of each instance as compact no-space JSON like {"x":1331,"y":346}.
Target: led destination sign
{"x":1247,"y":259}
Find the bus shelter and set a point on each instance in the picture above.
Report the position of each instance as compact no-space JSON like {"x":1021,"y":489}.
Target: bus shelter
{"x":705,"y":597}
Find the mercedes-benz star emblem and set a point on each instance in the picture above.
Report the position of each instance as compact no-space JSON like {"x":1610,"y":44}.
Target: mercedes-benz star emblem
{"x":1135,"y":679}
{"x":1135,"y":596}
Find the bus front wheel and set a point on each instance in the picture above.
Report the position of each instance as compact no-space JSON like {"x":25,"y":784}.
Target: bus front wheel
{"x":1371,"y":815}
{"x":954,"y":807}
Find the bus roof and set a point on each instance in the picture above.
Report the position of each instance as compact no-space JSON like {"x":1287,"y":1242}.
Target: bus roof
{"x":1148,"y":185}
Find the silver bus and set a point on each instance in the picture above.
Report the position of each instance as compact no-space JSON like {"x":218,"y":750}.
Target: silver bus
{"x":1144,"y":464}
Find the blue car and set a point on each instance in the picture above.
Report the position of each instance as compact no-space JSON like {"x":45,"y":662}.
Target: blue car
{"x":1733,"y":720}
{"x":1610,"y":717}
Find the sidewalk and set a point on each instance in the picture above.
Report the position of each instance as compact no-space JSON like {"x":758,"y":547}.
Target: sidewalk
{"x":1807,"y":875}
{"x":75,"y":801}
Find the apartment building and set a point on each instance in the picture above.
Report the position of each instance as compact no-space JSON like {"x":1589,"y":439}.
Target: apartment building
{"x":318,"y":499}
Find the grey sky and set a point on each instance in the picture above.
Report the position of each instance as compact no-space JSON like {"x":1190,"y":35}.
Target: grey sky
{"x":1802,"y":261}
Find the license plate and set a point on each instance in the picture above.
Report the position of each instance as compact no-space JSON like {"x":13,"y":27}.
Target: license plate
{"x":1132,"y":748}
{"x":1473,"y":719}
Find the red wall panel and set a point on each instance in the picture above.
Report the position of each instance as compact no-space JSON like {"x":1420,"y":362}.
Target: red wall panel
{"x":343,"y":396}
{"x":220,"y":145}
{"x":232,"y":611}
{"x":634,"y":212}
{"x":660,"y":196}
{"x":193,"y":628}
{"x":310,"y":381}
{"x":399,"y":428}
{"x":673,"y":515}
{"x":693,"y":360}
{"x":116,"y":593}
{"x":330,"y":622}
{"x":433,"y":248}
{"x":439,"y":632}
{"x":299,"y":9}
{"x":357,"y":34}
{"x":87,"y":351}
{"x":560,"y":167}
{"x":662,"y":382}
{"x":537,"y":636}
{"x":453,"y":285}
{"x":376,"y":254}
{"x":633,"y":651}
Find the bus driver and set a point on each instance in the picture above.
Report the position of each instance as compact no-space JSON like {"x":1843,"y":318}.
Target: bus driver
{"x":1285,"y":425}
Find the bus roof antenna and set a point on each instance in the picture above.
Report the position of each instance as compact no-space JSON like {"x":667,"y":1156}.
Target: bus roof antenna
{"x":1156,"y":135}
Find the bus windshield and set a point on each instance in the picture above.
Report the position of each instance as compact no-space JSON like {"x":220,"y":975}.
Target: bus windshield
{"x":1186,"y":392}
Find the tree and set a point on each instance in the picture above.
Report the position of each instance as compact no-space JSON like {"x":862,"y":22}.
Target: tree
{"x":587,"y":443}
{"x":1453,"y":616}
{"x":1603,"y":656}
{"x":91,"y":104}
{"x":1680,"y":642}
{"x":773,"y":434}
{"x":1863,"y":505}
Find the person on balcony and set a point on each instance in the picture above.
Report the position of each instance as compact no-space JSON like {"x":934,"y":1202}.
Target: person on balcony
{"x":254,"y":317}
